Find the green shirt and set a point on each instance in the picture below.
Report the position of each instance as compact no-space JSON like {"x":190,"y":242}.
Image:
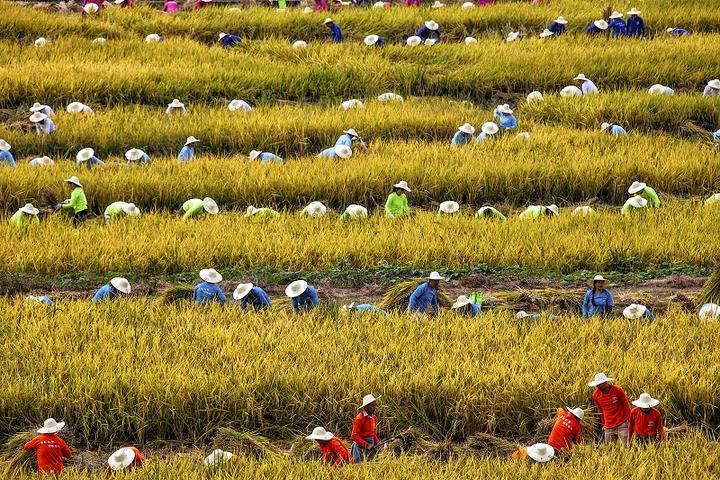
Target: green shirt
{"x":651,"y":196}
{"x":628,"y":208}
{"x":115,"y":210}
{"x":77,"y":201}
{"x":712,"y":200}
{"x":532,"y":212}
{"x":266,"y":213}
{"x":193,"y":207}
{"x":19,"y":218}
{"x":492,"y":213}
{"x":396,"y":205}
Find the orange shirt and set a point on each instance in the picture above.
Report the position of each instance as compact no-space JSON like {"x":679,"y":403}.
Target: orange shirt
{"x":650,"y":425}
{"x":566,"y":431}
{"x":137,"y":462}
{"x":364,"y":426}
{"x":613,"y":406}
{"x":50,"y":450}
{"x":335,"y":452}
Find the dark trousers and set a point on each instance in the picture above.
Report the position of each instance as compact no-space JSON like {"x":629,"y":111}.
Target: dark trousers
{"x":643,"y":441}
{"x":80,"y":217}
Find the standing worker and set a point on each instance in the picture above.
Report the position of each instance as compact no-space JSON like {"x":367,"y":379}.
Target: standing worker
{"x":125,"y":459}
{"x":397,"y":203}
{"x":77,"y":201}
{"x":614,"y":409}
{"x":5,"y":155}
{"x":208,"y":291}
{"x":635,"y":24}
{"x":597,"y":301}
{"x":333,"y":450}
{"x":251,"y":296}
{"x":187,"y":153}
{"x":49,"y":448}
{"x":110,"y":291}
{"x":303,"y":297}
{"x":649,"y":194}
{"x":426,"y":295}
{"x":335,"y":33}
{"x":364,"y":431}
{"x":195,"y":207}
{"x":646,"y":423}
{"x":27,"y":213}
{"x":617,"y":24}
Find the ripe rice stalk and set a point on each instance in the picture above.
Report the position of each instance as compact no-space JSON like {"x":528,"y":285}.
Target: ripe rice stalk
{"x":486,"y":445}
{"x":14,"y":458}
{"x":244,"y":443}
{"x":397,"y":297}
{"x":177,"y":293}
{"x":711,"y":289}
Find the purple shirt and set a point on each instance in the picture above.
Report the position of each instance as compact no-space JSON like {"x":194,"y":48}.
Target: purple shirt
{"x":170,"y":7}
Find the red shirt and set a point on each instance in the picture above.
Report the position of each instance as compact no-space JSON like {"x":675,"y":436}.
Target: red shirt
{"x":364,"y":426}
{"x":565,"y":432}
{"x":613,"y":406}
{"x":642,"y":425}
{"x":50,"y":451}
{"x":138,"y":462}
{"x":335,"y":452}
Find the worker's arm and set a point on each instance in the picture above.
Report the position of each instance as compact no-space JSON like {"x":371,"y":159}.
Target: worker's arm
{"x":625,"y":403}
{"x":193,"y":210}
{"x":314,"y":297}
{"x":436,"y":304}
{"x":610,"y":303}
{"x":390,"y":206}
{"x":652,"y":197}
{"x":355,"y":436}
{"x":221,"y":296}
{"x":412,"y":303}
{"x":69,"y":203}
{"x":586,"y":304}
{"x":649,"y":315}
{"x":30,"y":445}
{"x":499,"y":215}
{"x":631,"y":427}
{"x":67,"y":453}
{"x":295,"y":305}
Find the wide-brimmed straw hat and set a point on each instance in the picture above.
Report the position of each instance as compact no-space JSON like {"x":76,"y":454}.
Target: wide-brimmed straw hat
{"x":469,"y":40}
{"x":578,"y":412}
{"x":413,"y":41}
{"x":634,"y":311}
{"x":437,"y":4}
{"x":91,"y":8}
{"x":601,"y":24}
{"x":449,"y":207}
{"x":505,"y":108}
{"x":41,"y":42}
{"x":368,"y":399}
{"x":432,"y":25}
{"x":352,"y":103}
{"x":130,"y":209}
{"x":190,"y":140}
{"x":45,"y":161}
{"x":85,"y":154}
{"x":581,"y":77}
{"x":99,"y":40}
{"x":541,"y":452}
{"x":522,"y":314}
{"x":467,"y":6}
{"x":319,"y":433}
{"x":646,"y":401}
{"x":299,"y":44}
{"x":38,"y":117}
{"x":343,"y":151}
{"x":435,"y":276}
{"x":583,"y":211}
{"x":378,"y":5}
{"x":315,"y":209}
{"x":634,"y":11}
{"x":561,"y":20}
{"x":222,"y":35}
{"x":242,"y":290}
{"x":571,"y":91}
{"x":599,"y":278}
{"x":467,"y":128}
{"x":37,"y":107}
{"x":210,"y":275}
{"x":237,"y":104}
{"x":74,"y":180}
{"x":709,"y":311}
{"x":217,"y":457}
{"x":605,"y":126}
{"x":121,"y":284}
{"x":490,"y":128}
{"x":461,"y":301}
{"x":371,"y":40}
{"x":638,"y":202}
{"x":430,"y":42}
{"x":327,"y":20}
{"x":210,"y":206}
{"x":251,"y":210}
{"x":75,"y":107}
{"x":296,"y":288}
{"x":153,"y":37}
{"x":546,"y":33}
{"x":599,"y":379}
{"x":51,"y":426}
{"x":356,"y":211}
{"x":512,"y":36}
{"x":134,"y":154}
{"x":176,"y":104}
{"x":659,"y":89}
{"x":254,"y":154}
{"x":29,"y":209}
{"x":403,"y":185}
{"x":616,"y":14}
{"x":554,"y":209}
{"x":4,"y":146}
{"x":124,"y":457}
{"x":715,"y":83}
{"x":385,"y":97}
{"x":352,"y":132}
{"x":636,"y":187}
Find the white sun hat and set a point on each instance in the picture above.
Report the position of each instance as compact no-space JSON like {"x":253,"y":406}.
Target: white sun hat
{"x":217,"y":457}
{"x":352,"y":132}
{"x":605,"y":126}
{"x":176,"y":104}
{"x":371,"y":40}
{"x":571,"y":91}
{"x":430,"y":42}
{"x":714,"y":84}
{"x":38,"y":117}
{"x":581,"y":77}
{"x":636,"y":187}
{"x":222,"y":35}
{"x":91,"y":8}
{"x":582,"y":211}
{"x":299,"y":45}
{"x":523,"y":135}
{"x":237,"y":104}
{"x":469,"y":40}
{"x":356,"y":211}
{"x":599,"y":379}
{"x":352,"y":103}
{"x":296,"y":288}
{"x":315,"y":209}
{"x":327,"y":20}
{"x":254,"y":154}
{"x":152,"y":38}
{"x":121,"y":284}
{"x":522,"y":314}
{"x":598,"y":278}
{"x":505,"y":108}
{"x":38,"y":107}
{"x":85,"y":154}
{"x":449,"y":207}
{"x":41,"y":42}
{"x":343,"y":151}
{"x":388,"y":96}
{"x":437,"y":4}
{"x":541,"y":452}
{"x":51,"y":426}
{"x":467,"y":128}
{"x":601,"y":24}
{"x":134,"y":154}
{"x":4,"y":146}
{"x":378,"y":5}
{"x":307,"y":10}
{"x":131,"y":209}
{"x":403,"y":185}
{"x":436,"y":276}
{"x":546,"y":33}
{"x":578,"y":412}
{"x":413,"y":41}
{"x":29,"y":209}
{"x":634,"y":311}
{"x":634,"y":11}
{"x":554,"y":209}
{"x":99,"y":40}
{"x":44,"y":161}
{"x":638,"y":202}
{"x":76,"y":107}
{"x":432,"y":25}
{"x":242,"y":290}
{"x":615,"y":15}
{"x":74,"y":180}
{"x":210,"y":206}
{"x":512,"y":36}
{"x":190,"y":140}
{"x":319,"y":433}
{"x":561,"y":20}
{"x":709,"y":311}
{"x":461,"y":301}
{"x":124,"y":457}
{"x":368,"y":399}
{"x":657,"y":89}
{"x":646,"y":401}
{"x":467,"y":6}
{"x":535,"y":97}
{"x":490,"y":128}
{"x":210,"y":275}
{"x":251,"y":210}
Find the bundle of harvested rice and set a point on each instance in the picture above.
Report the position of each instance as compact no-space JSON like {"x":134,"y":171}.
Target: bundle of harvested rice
{"x":398,"y":296}
{"x":711,"y":289}
{"x":486,"y":445}
{"x":444,"y":451}
{"x":177,"y":293}
{"x":545,"y":298}
{"x":244,"y":443}
{"x":407,"y":441}
{"x":304,"y":449}
{"x":14,"y":458}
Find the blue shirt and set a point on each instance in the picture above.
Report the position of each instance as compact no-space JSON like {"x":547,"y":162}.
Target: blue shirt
{"x":344,"y":139}
{"x":329,"y":153}
{"x":507,"y":120}
{"x":91,"y":162}
{"x":426,"y":33}
{"x":335,"y":33}
{"x":679,"y":32}
{"x":422,"y":298}
{"x":617,"y":130}
{"x":266,"y":157}
{"x":106,"y":293}
{"x":257,"y":299}
{"x":306,"y":301}
{"x":557,"y":28}
{"x":470,"y":310}
{"x":47,"y":127}
{"x":145,"y":159}
{"x":597,"y":303}
{"x":618,"y":27}
{"x":208,"y":292}
{"x":460,"y":138}
{"x":186,"y":154}
{"x":592,"y":29}
{"x":716,"y":136}
{"x":649,"y":315}
{"x":380,"y":42}
{"x":230,"y":40}
{"x":635,"y":26}
{"x":482,"y":137}
{"x":367,"y":307}
{"x":6,"y":156}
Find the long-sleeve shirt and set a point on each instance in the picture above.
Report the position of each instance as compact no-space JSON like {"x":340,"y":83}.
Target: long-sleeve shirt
{"x":368,"y":307}
{"x":493,"y":212}
{"x":115,"y":209}
{"x":461,"y":138}
{"x":257,"y":299}
{"x":613,"y":406}
{"x":364,"y":426}
{"x":306,"y":301}
{"x":424,"y":33}
{"x":193,"y":207}
{"x":380,"y":42}
{"x":137,"y":462}
{"x":105,"y":293}
{"x":592,"y":29}
{"x":482,"y":137}
{"x":328,"y":153}
{"x":20,"y":217}
{"x":589,"y":88}
{"x":335,"y":452}
{"x":144,"y":160}
{"x":680,"y":32}
{"x":423,"y":297}
{"x":469,"y":310}
{"x":186,"y":154}
{"x":711,"y":92}
{"x":7,"y":157}
{"x":557,"y":28}
{"x":396,"y":205}
{"x":565,"y":432}
{"x":50,"y":450}
{"x":46,"y":127}
{"x":617,"y":130}
{"x":597,"y":303}
{"x":716,"y":137}
{"x":628,"y":208}
{"x":635,"y":26}
{"x":267,"y":157}
{"x":618,"y":27}
{"x":344,"y":139}
{"x":532,"y":212}
{"x":206,"y":292}
{"x":230,"y":41}
{"x":335,"y":33}
{"x":507,"y":120}
{"x":644,"y":425}
{"x":77,"y":200}
{"x":651,"y":196}
{"x":90,"y":163}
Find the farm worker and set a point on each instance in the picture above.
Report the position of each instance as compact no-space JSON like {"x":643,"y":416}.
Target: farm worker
{"x":320,"y":5}
{"x":364,"y":431}
{"x":490,"y":212}
{"x":40,"y":299}
{"x":429,"y":30}
{"x":5,"y":155}
{"x":49,"y":448}
{"x":87,"y":156}
{"x":170,"y":6}
{"x":583,"y":212}
{"x":613,"y":406}
{"x":98,"y":6}
{"x":535,"y":97}
{"x":437,"y":4}
{"x":125,"y":459}
{"x":566,"y":431}
{"x":265,"y":157}
{"x":154,"y":38}
{"x":110,"y":291}
{"x":505,"y":114}
{"x":659,"y":89}
{"x":217,"y":458}
{"x":597,"y":27}
{"x":229,"y":40}
{"x":27,"y":213}
{"x":43,"y":124}
{"x":340,"y":152}
{"x":120,"y":209}
{"x":354,"y":211}
{"x":238,"y":104}
{"x":709,"y":311}
{"x":558,"y":26}
{"x":512,"y":36}
{"x":617,"y":24}
{"x":315,"y":209}
{"x":463,"y":135}
{"x":678,"y":32}
{"x":635,"y":311}
{"x":187,"y":153}
{"x":261,"y":212}
{"x":448,"y":208}
{"x":303,"y":297}
{"x":539,"y":452}
{"x":536,"y":211}
{"x":348,"y":137}
{"x":645,"y":192}
{"x":208,"y":291}
{"x":374,"y":41}
{"x":363,"y":307}
{"x":412,"y":3}
{"x":713,"y":199}
{"x":712,"y":89}
{"x":124,"y":3}
{"x":137,"y":155}
{"x":487,"y":131}
{"x":176,"y":106}
{"x":77,"y":200}
{"x":43,"y":161}
{"x":597,"y":301}
{"x":646,"y":423}
{"x":613,"y":129}
{"x":586,"y":85}
{"x":634,"y":203}
{"x":333,"y":450}
{"x":397,"y":203}
{"x":251,"y":296}
{"x":426,"y":295}
{"x":194,"y":207}
{"x":78,"y":107}
{"x":635,"y":24}
{"x":335,"y":33}
{"x":546,"y":33}
{"x":201,"y":4}
{"x":466,"y":307}
{"x":38,"y":107}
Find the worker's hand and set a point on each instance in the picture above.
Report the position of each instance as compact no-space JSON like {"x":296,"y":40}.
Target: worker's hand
{"x":57,"y":207}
